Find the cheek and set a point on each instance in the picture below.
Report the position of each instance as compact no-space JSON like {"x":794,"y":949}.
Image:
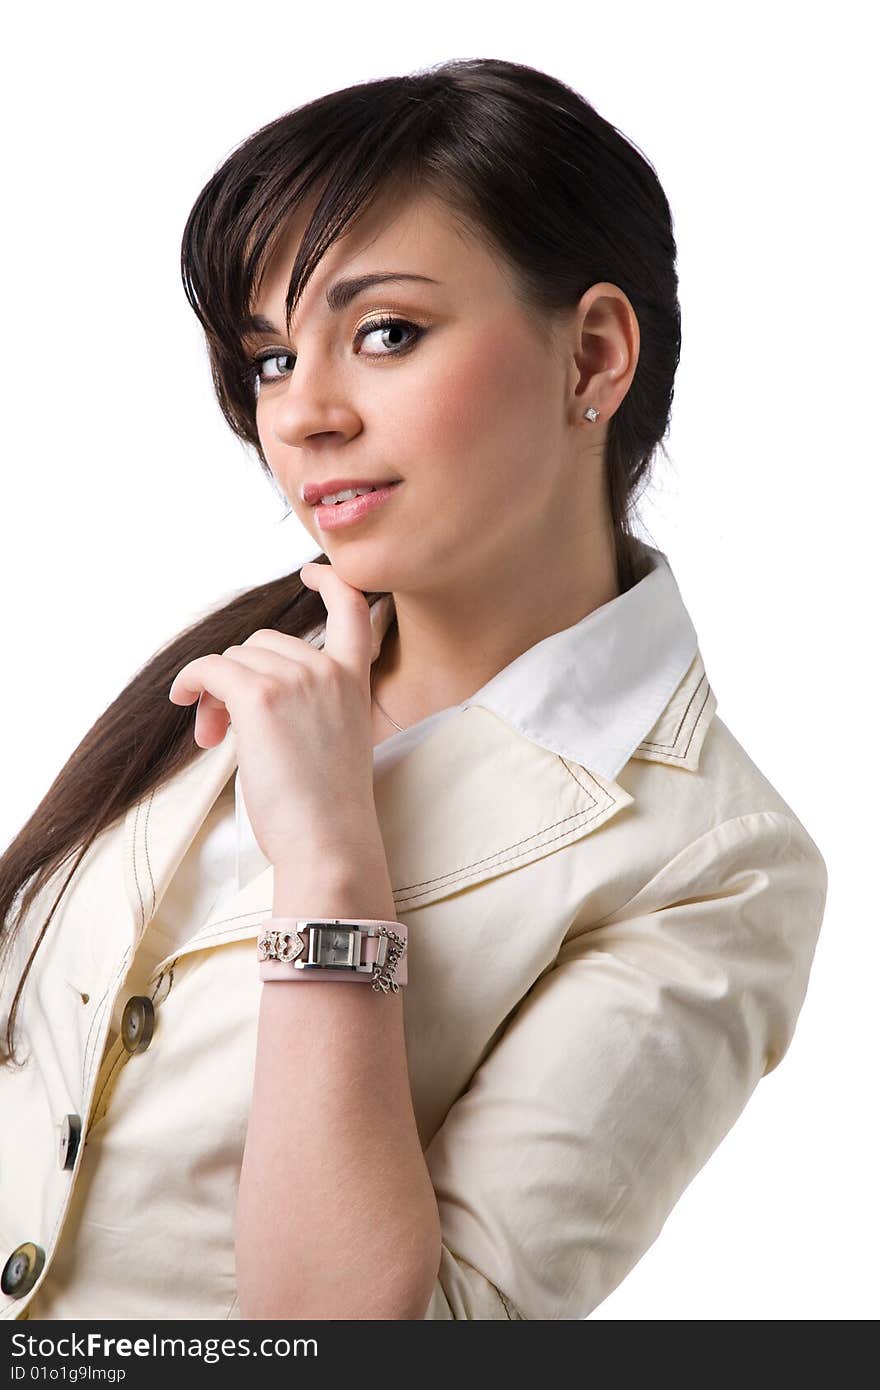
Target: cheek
{"x":478,"y":408}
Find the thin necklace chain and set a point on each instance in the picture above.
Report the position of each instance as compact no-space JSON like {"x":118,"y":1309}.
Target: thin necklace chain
{"x":384,"y":711}
{"x":388,"y":716}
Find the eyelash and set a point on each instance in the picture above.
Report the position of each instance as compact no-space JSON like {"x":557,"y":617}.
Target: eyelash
{"x":252,"y":374}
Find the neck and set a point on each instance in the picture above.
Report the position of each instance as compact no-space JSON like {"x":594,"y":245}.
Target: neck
{"x":442,"y":648}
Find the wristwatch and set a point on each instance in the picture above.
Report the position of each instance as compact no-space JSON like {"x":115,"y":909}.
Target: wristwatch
{"x":334,"y":948}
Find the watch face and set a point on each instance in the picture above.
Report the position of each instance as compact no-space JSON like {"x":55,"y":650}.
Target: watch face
{"x":336,"y":946}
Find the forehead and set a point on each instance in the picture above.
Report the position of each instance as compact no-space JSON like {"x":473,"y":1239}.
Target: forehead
{"x":421,"y":236}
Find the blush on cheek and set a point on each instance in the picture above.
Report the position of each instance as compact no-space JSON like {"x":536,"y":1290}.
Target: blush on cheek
{"x":495,"y":369}
{"x":479,"y":404}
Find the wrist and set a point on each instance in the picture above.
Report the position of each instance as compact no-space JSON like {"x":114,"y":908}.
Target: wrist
{"x":333,"y":888}
{"x":336,"y":851}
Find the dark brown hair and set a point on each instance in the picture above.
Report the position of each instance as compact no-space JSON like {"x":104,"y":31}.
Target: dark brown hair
{"x":523,"y":161}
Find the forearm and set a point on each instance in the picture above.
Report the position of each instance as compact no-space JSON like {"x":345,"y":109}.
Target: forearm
{"x":336,"y":1214}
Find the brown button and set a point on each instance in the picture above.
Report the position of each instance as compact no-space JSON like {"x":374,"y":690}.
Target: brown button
{"x":137,"y":1023}
{"x":22,"y":1270}
{"x":71,"y":1127}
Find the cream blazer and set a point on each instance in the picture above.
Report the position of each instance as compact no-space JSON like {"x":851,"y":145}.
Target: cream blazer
{"x":601,"y":969}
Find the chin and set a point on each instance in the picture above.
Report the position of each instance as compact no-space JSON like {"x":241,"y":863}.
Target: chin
{"x":370,"y":578}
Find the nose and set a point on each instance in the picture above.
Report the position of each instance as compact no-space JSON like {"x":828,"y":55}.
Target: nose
{"x":309,"y":406}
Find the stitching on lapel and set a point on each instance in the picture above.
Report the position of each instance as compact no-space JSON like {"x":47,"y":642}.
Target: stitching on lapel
{"x":134,"y":866}
{"x":669,"y":748}
{"x":581,"y":818}
{"x":573,"y":769}
{"x":539,"y":838}
{"x":237,"y":923}
{"x":147,"y":855}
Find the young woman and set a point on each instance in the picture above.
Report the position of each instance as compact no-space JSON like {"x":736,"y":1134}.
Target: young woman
{"x":418,"y":970}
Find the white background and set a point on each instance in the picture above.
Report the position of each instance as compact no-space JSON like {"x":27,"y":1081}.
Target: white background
{"x":128,"y":508}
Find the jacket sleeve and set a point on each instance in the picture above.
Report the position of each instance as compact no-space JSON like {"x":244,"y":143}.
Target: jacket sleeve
{"x":620,"y":1072}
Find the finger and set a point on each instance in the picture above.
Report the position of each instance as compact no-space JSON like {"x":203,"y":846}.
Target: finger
{"x":213,"y":720}
{"x":268,"y":640}
{"x":212,"y":716}
{"x":265,"y":652}
{"x":219,"y":684}
{"x":270,"y":653}
{"x":348,"y":633}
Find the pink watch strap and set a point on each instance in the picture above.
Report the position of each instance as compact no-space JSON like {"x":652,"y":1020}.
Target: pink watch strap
{"x":286,"y":970}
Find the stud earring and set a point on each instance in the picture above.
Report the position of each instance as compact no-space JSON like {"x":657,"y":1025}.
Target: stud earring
{"x":591,"y":413}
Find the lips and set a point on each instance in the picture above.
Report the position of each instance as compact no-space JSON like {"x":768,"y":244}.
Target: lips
{"x":333,"y":516}
{"x":313,"y":492}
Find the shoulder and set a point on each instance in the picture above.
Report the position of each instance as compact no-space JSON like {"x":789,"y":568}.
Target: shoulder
{"x":687,"y":783}
{"x":693,"y":832}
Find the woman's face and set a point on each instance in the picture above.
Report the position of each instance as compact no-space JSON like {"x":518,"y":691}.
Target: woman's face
{"x":460,"y":399}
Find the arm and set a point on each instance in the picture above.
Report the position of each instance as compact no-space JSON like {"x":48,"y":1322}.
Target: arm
{"x":336,"y":1214}
{"x":620,"y":1072}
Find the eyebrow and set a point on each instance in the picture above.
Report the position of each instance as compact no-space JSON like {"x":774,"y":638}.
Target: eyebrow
{"x":340,"y":295}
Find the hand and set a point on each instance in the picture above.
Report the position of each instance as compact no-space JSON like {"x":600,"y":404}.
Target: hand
{"x":302,"y":719}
